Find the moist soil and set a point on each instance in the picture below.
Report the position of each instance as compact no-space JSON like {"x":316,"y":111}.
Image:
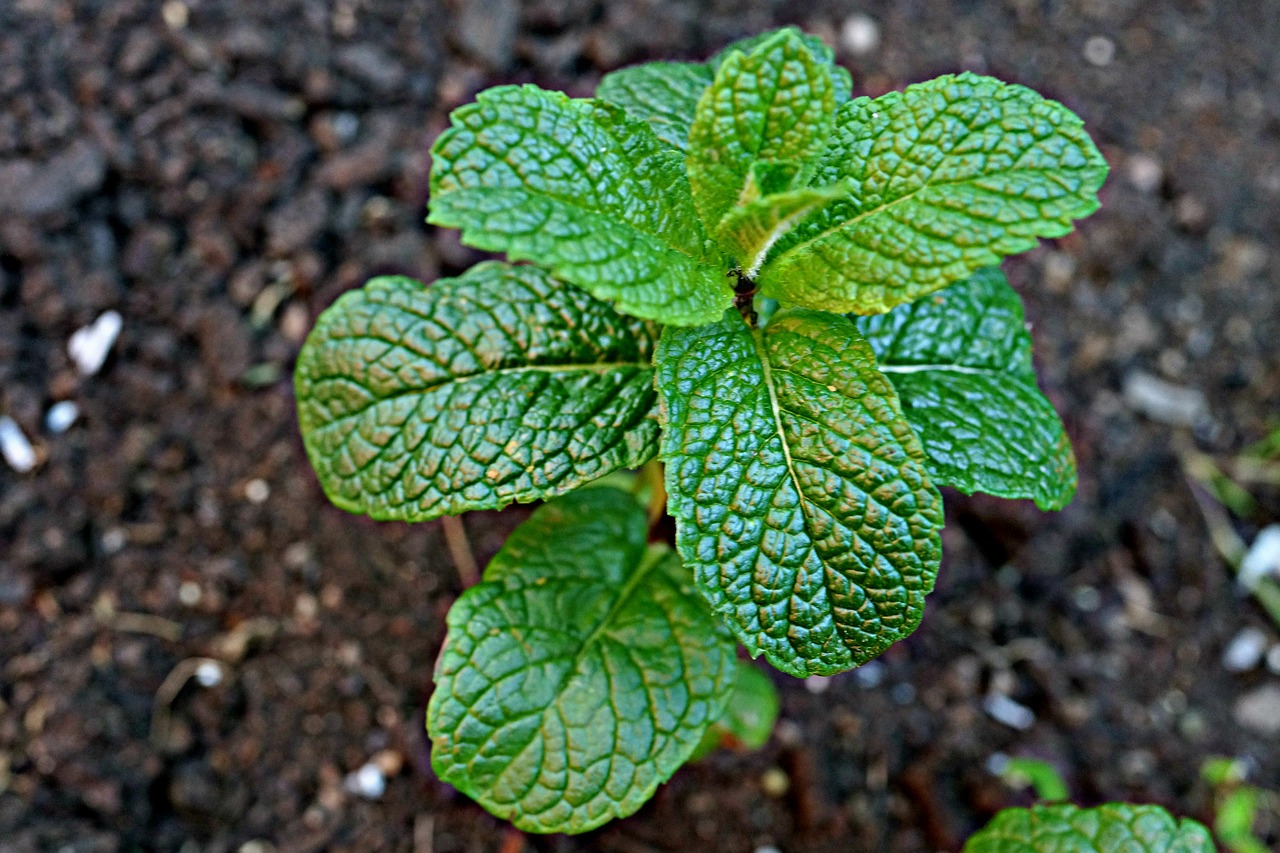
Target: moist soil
{"x":219,"y":171}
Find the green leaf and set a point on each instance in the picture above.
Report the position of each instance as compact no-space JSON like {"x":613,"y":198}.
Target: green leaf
{"x":748,"y":717}
{"x":501,"y":385}
{"x":580,"y":674}
{"x":749,"y":231}
{"x":821,"y":52}
{"x":948,"y":176}
{"x":585,"y":191}
{"x":1112,"y":828}
{"x":961,"y":361}
{"x":799,"y":490}
{"x":768,"y":114}
{"x":666,"y":94}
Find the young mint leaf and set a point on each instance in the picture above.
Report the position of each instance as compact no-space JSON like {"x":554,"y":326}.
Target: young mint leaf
{"x":748,"y":717}
{"x":580,"y":674}
{"x":750,"y":230}
{"x":948,"y":176}
{"x":760,"y":127}
{"x":1105,"y":829}
{"x":821,"y":52}
{"x":666,"y":93}
{"x":799,"y":491}
{"x":501,"y":385}
{"x":585,"y":191}
{"x":961,"y":361}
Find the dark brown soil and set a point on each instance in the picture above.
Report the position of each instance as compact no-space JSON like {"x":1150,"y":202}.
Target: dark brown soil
{"x":218,"y":171}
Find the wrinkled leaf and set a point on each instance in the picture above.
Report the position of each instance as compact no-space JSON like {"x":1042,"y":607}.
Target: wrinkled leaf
{"x":501,"y":385}
{"x":580,"y":674}
{"x":961,"y":361}
{"x":583,"y":190}
{"x":760,"y":127}
{"x":666,"y":93}
{"x":799,"y":491}
{"x":1112,"y":828}
{"x":948,"y":176}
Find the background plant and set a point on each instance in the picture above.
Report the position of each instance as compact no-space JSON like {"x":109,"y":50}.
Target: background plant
{"x":700,"y":231}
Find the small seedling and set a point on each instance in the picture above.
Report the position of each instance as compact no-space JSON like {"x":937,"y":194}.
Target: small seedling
{"x":786,"y":295}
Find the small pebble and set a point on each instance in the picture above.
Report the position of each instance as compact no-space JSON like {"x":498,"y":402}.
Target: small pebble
{"x":1099,"y":51}
{"x":209,"y":674}
{"x":767,"y":848}
{"x":1259,"y":710}
{"x":903,"y":694}
{"x":997,"y":763}
{"x":1175,"y":405}
{"x":15,"y":446}
{"x":113,"y":541}
{"x":61,"y":416}
{"x":1273,"y":659}
{"x":817,"y":684}
{"x":1262,"y":560}
{"x":189,"y":593}
{"x":1004,"y":710}
{"x":869,"y":675}
{"x":860,"y":34}
{"x":175,"y":14}
{"x":1245,"y":650}
{"x":368,"y":782}
{"x":257,"y":491}
{"x":88,"y":346}
{"x":774,"y":782}
{"x":1145,"y":173}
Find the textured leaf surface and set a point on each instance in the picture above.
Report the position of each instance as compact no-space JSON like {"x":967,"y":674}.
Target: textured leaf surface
{"x":799,"y":490}
{"x":760,"y":126}
{"x":1113,"y":828}
{"x":748,"y":717}
{"x":666,"y":93}
{"x":961,"y":361}
{"x":583,"y":190}
{"x":580,"y":674}
{"x":501,"y":385}
{"x":948,"y":176}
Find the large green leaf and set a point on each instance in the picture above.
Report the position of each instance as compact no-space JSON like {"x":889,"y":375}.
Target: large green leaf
{"x":760,"y":127}
{"x":501,"y":385}
{"x":961,"y":361}
{"x":799,"y":491}
{"x":1112,"y":828}
{"x":580,"y":674}
{"x":666,"y":93}
{"x":585,"y":191}
{"x":948,"y":176}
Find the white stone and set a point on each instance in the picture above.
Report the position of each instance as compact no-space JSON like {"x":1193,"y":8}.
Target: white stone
{"x":257,"y":491}
{"x":1145,"y":172}
{"x":870,"y":674}
{"x":1259,"y":710}
{"x":88,"y":346}
{"x":209,"y":674}
{"x":1163,"y":401}
{"x":860,"y":34}
{"x":368,"y":782}
{"x":1262,"y":559}
{"x":61,"y":416}
{"x":15,"y":446}
{"x":1004,"y":710}
{"x":817,"y":684}
{"x":1099,"y":51}
{"x":1245,"y":650}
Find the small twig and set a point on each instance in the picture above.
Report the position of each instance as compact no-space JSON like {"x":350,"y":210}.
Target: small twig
{"x":464,"y":559}
{"x":146,"y":623}
{"x":424,"y":834}
{"x":162,"y":705}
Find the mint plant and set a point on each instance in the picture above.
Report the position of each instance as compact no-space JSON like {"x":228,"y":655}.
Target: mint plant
{"x":1109,"y":828}
{"x":785,"y":295}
